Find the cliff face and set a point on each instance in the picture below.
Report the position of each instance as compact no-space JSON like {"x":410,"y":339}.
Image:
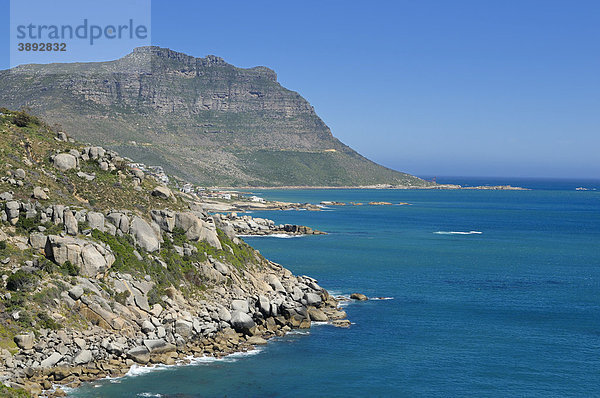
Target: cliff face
{"x":205,"y":119}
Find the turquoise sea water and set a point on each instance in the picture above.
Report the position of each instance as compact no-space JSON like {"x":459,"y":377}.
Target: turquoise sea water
{"x":511,"y":311}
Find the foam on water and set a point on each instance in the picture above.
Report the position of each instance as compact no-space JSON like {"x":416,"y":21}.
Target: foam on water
{"x":137,"y":370}
{"x":281,"y":236}
{"x":458,"y":233}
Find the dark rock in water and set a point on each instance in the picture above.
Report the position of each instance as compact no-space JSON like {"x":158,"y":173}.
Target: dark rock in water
{"x":358,"y":296}
{"x":341,"y":323}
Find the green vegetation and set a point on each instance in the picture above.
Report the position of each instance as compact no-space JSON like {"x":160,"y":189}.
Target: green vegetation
{"x":8,"y":392}
{"x":46,"y":322}
{"x":27,"y":225}
{"x":21,"y":281}
{"x":69,"y":269}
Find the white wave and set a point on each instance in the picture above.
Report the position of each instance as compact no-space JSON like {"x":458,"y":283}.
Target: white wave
{"x":380,"y":298}
{"x":148,"y":394}
{"x":298,"y":332}
{"x":280,"y":236}
{"x":458,"y":233}
{"x":227,"y":358}
{"x":243,"y":354}
{"x":137,"y":370}
{"x":318,"y":323}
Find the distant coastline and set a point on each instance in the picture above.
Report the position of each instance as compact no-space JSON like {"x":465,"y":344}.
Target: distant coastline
{"x":383,"y":186}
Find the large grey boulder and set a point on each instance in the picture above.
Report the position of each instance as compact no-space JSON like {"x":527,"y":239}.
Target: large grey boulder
{"x":196,"y":229}
{"x":147,"y":326}
{"x":70,"y":222}
{"x":222,"y":268}
{"x":93,"y":262}
{"x":37,"y":240}
{"x":313,"y":299}
{"x":241,"y":321}
{"x":165,"y":219}
{"x":120,"y":221}
{"x":224,"y":314}
{"x":95,"y":220}
{"x":240,"y":305}
{"x":39,"y":193}
{"x":52,"y":360}
{"x":275,"y":283}
{"x":183,"y":328}
{"x":358,"y":296}
{"x":140,"y":354}
{"x":144,"y":235}
{"x":76,"y":292}
{"x":256,"y":340}
{"x":141,"y":301}
{"x":95,"y":152}
{"x":25,"y":341}
{"x":264,"y":305}
{"x":162,"y":192}
{"x":159,"y":346}
{"x":64,"y":161}
{"x":20,"y":174}
{"x":317,"y":315}
{"x":12,"y":211}
{"x":83,"y":357}
{"x":90,"y":257}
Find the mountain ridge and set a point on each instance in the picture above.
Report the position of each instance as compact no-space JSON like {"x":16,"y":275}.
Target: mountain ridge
{"x":203,"y":118}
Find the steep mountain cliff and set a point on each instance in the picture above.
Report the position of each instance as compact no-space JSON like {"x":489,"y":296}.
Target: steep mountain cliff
{"x":206,"y":120}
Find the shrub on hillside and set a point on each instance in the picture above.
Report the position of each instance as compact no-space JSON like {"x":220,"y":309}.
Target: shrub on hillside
{"x":20,"y":281}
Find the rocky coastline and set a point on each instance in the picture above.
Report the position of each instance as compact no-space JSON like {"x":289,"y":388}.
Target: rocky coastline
{"x":219,"y":325}
{"x":104,"y":267}
{"x":246,"y":225}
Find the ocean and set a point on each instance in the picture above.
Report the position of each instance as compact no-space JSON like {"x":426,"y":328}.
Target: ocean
{"x":483,"y":294}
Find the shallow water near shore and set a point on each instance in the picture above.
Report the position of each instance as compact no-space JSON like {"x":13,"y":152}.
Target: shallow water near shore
{"x":490,"y":293}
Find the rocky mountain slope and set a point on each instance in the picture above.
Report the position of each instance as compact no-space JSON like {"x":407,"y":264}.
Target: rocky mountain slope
{"x":202,"y":118}
{"x":102,"y":267}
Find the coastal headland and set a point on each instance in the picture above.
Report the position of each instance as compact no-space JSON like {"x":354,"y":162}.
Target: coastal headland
{"x":105,"y":266}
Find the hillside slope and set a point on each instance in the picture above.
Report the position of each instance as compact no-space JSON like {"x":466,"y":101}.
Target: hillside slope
{"x":102,"y":267}
{"x":202,"y":118}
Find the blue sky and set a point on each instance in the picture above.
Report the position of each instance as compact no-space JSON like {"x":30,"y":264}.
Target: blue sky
{"x":485,"y":88}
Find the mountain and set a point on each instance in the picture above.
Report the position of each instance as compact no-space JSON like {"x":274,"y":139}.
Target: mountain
{"x":204,"y":119}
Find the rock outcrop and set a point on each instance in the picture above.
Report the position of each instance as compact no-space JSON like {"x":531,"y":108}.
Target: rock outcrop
{"x":92,"y":284}
{"x":232,"y":224}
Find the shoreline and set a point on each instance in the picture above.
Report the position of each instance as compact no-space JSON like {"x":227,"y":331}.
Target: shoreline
{"x":221,"y":344}
{"x":192,"y":359}
{"x":380,"y":187}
